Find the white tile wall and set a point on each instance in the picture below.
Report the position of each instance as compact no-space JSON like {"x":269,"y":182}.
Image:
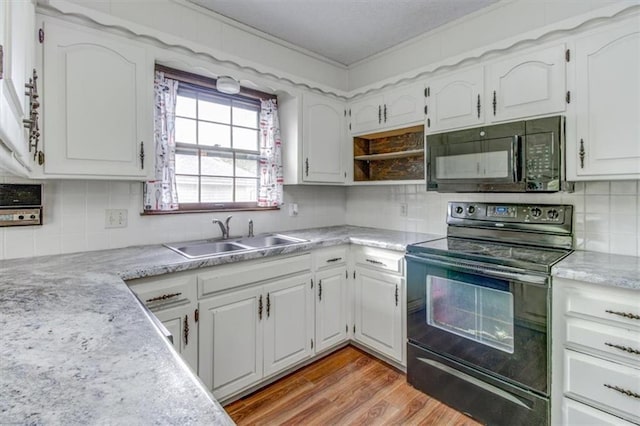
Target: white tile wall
{"x":74,"y":218}
{"x":606,"y":214}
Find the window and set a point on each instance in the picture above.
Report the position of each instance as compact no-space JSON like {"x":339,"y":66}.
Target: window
{"x":217,"y":145}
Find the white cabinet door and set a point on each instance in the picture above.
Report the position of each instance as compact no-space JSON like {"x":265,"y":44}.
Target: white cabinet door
{"x":455,"y":100}
{"x":17,"y":37}
{"x":366,"y":114}
{"x":378,"y":313}
{"x":324,"y":142}
{"x":230,"y":339}
{"x":403,"y":105}
{"x":181,"y":324}
{"x":288,"y":327}
{"x":607,"y":79}
{"x":526,"y":85}
{"x":98,"y":96}
{"x":331,"y":308}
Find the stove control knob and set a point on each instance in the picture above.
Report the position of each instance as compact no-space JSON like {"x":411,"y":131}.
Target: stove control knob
{"x":459,"y":210}
{"x":536,"y":212}
{"x":471,"y":209}
{"x":552,"y":214}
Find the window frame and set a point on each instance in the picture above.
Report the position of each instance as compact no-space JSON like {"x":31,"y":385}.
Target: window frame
{"x":203,"y":84}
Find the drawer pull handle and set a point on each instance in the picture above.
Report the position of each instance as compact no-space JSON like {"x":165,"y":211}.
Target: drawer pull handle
{"x":623,"y":348}
{"x":376,"y":262}
{"x":334,"y":259}
{"x":624,"y":314}
{"x":623,"y":391}
{"x":163,"y":297}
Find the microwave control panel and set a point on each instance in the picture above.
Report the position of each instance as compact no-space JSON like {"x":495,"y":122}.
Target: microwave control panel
{"x":542,"y":163}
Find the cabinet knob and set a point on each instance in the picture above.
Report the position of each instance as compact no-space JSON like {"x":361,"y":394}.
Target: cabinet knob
{"x":478,"y":105}
{"x":495,"y":103}
{"x":581,"y":153}
{"x":379,"y":114}
{"x":142,"y":155}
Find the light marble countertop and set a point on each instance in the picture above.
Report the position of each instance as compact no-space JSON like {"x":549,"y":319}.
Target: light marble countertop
{"x":78,"y":348}
{"x":600,"y":268}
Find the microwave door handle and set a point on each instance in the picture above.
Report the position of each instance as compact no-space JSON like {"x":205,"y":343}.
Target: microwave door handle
{"x":515,"y":158}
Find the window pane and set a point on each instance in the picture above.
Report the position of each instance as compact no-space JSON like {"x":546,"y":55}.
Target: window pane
{"x":187,"y":189}
{"x":217,"y":164}
{"x":212,"y":109}
{"x":185,"y":130}
{"x":214,"y":134}
{"x":246,"y":116}
{"x":216,"y":190}
{"x":245,"y":139}
{"x":185,"y":106}
{"x":187,"y":162}
{"x":246,"y":165}
{"x":246,"y":189}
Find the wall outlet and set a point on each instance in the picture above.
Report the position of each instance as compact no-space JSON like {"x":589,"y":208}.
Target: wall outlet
{"x":404,"y":209}
{"x":293,"y":209}
{"x":115,"y":218}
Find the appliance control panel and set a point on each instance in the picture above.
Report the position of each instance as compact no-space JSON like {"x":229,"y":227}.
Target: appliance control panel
{"x":20,"y":204}
{"x":18,"y":217}
{"x":505,"y":213}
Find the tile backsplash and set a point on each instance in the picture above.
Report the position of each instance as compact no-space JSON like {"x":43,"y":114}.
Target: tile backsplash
{"x":606,"y":215}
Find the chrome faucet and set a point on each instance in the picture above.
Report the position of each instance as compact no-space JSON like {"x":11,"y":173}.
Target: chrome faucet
{"x":250,"y":228}
{"x":224,"y":227}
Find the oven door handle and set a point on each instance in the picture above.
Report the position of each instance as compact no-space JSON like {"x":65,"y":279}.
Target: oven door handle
{"x":466,"y":266}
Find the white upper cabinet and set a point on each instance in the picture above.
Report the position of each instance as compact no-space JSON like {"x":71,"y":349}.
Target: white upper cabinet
{"x":97,"y":104}
{"x":396,"y":107}
{"x":526,"y":85}
{"x":17,"y":38}
{"x":607,"y":111}
{"x":324,"y":139}
{"x":454,"y":100}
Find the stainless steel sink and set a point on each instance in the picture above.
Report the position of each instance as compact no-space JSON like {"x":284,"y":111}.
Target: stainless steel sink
{"x":208,"y":248}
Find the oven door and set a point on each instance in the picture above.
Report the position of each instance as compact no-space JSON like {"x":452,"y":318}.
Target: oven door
{"x":492,"y":319}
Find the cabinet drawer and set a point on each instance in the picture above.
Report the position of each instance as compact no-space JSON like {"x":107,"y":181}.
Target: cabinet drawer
{"x":577,"y":414}
{"x":329,"y":257}
{"x":619,"y":342}
{"x":165,"y":292}
{"x":244,"y":273}
{"x":623,"y":307}
{"x":384,"y":260}
{"x":601,"y":384}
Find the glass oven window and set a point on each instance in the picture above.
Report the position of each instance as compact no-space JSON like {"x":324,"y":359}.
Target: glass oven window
{"x":482,"y":314}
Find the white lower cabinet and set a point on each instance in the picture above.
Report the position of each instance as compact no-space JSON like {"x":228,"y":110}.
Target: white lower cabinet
{"x":331,"y":308}
{"x":577,"y":414}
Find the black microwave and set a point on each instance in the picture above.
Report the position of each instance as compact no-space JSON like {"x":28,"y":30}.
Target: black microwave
{"x":523,"y":156}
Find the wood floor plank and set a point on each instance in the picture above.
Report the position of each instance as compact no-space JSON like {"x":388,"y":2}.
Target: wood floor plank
{"x":348,"y":387}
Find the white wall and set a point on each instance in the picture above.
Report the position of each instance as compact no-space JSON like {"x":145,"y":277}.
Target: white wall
{"x":74,"y":218}
{"x":606,"y":215}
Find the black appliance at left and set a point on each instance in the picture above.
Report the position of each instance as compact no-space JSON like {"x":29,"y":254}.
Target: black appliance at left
{"x":20,"y":204}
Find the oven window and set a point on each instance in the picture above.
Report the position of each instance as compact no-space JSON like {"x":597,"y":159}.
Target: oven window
{"x":482,"y":314}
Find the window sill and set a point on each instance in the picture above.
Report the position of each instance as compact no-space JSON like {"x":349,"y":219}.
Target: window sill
{"x":238,"y":209}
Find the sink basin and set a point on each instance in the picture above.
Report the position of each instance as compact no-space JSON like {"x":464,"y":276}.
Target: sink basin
{"x":207,"y":248}
{"x":264,"y":241}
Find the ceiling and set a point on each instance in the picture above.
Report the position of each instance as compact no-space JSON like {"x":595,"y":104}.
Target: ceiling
{"x":345,"y":31}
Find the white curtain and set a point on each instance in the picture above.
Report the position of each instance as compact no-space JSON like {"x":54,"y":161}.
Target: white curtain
{"x":161,"y":193}
{"x":270,"y":191}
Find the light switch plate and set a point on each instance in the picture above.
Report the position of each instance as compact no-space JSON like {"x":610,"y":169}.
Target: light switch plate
{"x":115,"y":218}
{"x":404,"y":209}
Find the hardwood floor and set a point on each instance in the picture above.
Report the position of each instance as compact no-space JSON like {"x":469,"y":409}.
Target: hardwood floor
{"x":348,"y":387}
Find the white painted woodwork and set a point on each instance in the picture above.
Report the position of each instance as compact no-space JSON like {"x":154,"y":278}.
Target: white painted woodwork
{"x":332,"y":304}
{"x":330,"y":257}
{"x":577,"y":414}
{"x":378,"y":318}
{"x":324,"y":140}
{"x":366,"y":114}
{"x":586,"y":377}
{"x":453,"y":100}
{"x":604,"y":340}
{"x":98,"y":99}
{"x":384,"y":260}
{"x":185,"y":343}
{"x":17,"y":37}
{"x":527,"y":84}
{"x":231,"y":341}
{"x":607,"y":96}
{"x":288,"y":325}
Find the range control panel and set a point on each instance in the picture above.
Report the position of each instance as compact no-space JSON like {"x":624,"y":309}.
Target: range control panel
{"x":20,"y":204}
{"x":17,"y":217}
{"x":509,"y":213}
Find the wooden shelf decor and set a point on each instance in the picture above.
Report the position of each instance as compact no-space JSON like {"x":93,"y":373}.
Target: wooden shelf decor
{"x":393,"y":155}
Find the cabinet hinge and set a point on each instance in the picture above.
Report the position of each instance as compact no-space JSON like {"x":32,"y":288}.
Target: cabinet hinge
{"x":567,"y":55}
{"x":427,"y":92}
{"x":346,"y":328}
{"x":345,"y":112}
{"x":346,"y":274}
{"x":1,"y":61}
{"x":196,"y":315}
{"x":311,"y":343}
{"x":426,"y":110}
{"x":349,"y":126}
{"x":568,"y":98}
{"x":41,"y":35}
{"x":349,"y":112}
{"x":311,"y":282}
{"x":354,"y":329}
{"x":354,"y":275}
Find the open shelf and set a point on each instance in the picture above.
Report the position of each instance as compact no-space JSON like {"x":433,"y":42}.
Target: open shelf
{"x":396,"y":155}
